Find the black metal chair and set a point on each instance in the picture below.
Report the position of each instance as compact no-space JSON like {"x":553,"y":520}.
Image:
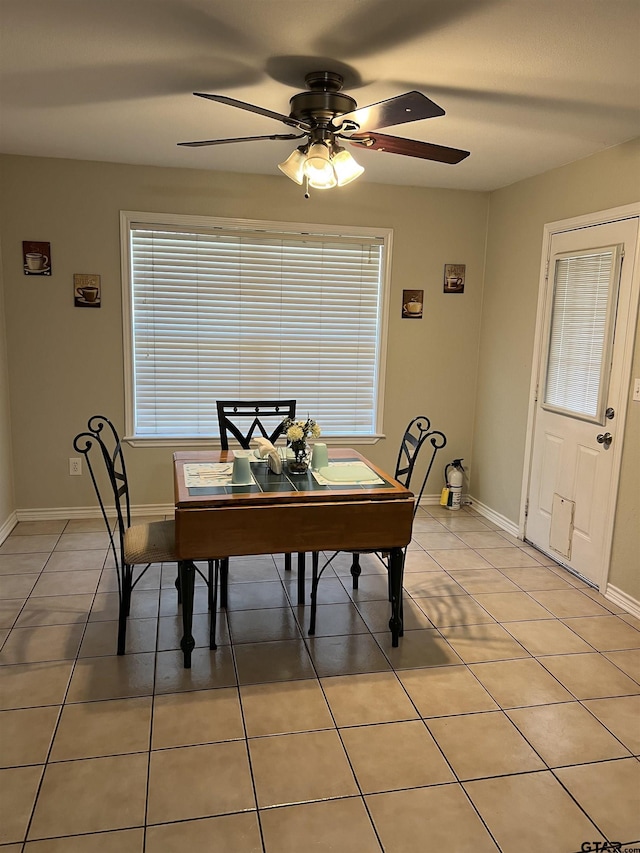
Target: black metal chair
{"x":414,"y":438}
{"x":243,"y":419}
{"x":131,"y":545}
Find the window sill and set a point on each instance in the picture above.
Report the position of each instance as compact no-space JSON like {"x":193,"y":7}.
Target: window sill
{"x":214,"y":443}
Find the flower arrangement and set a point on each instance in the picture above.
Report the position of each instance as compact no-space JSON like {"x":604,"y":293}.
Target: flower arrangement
{"x":297,"y":433}
{"x":301,"y":430}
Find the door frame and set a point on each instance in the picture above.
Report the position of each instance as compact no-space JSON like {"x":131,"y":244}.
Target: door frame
{"x":625,"y":337}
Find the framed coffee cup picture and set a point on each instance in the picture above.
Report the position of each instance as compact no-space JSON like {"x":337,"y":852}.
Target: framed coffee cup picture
{"x":454,"y":278}
{"x":36,"y":257}
{"x":86,"y":290}
{"x":412,"y":301}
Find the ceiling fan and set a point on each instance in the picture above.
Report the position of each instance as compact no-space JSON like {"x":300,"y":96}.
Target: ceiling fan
{"x":325,"y":116}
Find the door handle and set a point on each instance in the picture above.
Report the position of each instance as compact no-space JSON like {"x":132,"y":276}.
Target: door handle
{"x":605,"y":438}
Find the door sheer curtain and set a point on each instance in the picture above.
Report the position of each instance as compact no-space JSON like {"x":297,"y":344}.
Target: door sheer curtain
{"x":219,"y":310}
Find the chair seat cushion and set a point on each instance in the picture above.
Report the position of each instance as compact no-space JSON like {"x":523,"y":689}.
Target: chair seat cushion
{"x":154,"y":542}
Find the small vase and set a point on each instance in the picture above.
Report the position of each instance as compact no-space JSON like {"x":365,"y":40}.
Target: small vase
{"x":300,"y":464}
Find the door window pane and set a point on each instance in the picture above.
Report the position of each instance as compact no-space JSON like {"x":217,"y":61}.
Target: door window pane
{"x":579,"y":341}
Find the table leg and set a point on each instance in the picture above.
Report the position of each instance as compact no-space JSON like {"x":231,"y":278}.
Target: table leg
{"x":356,"y":571}
{"x":396,"y":571}
{"x":187,"y":572}
{"x":314,"y":592}
{"x":224,"y":581}
{"x":214,"y":571}
{"x":301,"y":571}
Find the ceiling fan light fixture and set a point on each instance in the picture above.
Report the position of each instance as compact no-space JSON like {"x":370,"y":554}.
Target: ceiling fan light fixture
{"x":324,"y":114}
{"x":347,"y":169}
{"x":293,"y":166}
{"x":318,"y":168}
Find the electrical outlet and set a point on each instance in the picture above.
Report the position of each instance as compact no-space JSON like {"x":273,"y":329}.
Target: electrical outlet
{"x":75,"y":466}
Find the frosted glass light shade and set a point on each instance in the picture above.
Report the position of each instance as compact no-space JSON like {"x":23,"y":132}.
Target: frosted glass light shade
{"x":318,"y":168}
{"x":293,"y":166}
{"x":346,"y":168}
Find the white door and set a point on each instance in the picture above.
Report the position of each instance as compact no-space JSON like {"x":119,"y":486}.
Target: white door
{"x":581,"y":395}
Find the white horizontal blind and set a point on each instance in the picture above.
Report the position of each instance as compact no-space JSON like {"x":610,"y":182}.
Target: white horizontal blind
{"x":577,"y":365}
{"x":254,"y":315}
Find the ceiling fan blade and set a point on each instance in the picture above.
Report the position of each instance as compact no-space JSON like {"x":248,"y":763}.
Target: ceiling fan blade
{"x":240,"y":139}
{"x":252,"y":108}
{"x":408,"y":147}
{"x":412,"y":106}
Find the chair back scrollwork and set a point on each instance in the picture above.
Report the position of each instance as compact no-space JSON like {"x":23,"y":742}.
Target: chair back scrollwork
{"x":101,"y":442}
{"x":242,"y":419}
{"x":416,"y":434}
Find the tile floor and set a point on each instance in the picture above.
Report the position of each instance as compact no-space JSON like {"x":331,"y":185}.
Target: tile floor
{"x":508,"y":718}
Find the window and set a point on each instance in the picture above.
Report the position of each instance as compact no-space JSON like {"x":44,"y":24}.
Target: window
{"x":579,"y":357}
{"x":236,"y":309}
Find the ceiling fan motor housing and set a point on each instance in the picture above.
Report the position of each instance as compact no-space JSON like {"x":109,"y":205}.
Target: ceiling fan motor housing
{"x":324,"y":102}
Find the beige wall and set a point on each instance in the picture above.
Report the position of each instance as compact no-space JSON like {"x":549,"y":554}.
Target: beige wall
{"x":7,"y":505}
{"x":66,"y":363}
{"x":517,"y":216}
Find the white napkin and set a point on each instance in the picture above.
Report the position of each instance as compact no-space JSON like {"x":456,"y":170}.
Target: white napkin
{"x":264,"y":447}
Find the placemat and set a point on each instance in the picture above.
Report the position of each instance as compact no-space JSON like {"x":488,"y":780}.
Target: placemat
{"x":347,"y":474}
{"x":199,"y":474}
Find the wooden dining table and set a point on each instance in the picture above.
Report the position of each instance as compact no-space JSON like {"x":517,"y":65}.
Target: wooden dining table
{"x":285,"y":513}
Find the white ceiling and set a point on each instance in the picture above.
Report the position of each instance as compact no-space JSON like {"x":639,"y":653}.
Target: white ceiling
{"x":527,"y":85}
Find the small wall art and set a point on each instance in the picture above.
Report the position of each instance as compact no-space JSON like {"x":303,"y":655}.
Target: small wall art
{"x":36,"y":257}
{"x":412,"y":302}
{"x":86,"y":290}
{"x":454,"y":275}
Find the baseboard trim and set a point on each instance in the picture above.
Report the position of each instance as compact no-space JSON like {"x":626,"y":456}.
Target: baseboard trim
{"x":623,"y":599}
{"x":429,"y":500}
{"x":89,"y":512}
{"x":501,"y":520}
{"x":8,"y":526}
